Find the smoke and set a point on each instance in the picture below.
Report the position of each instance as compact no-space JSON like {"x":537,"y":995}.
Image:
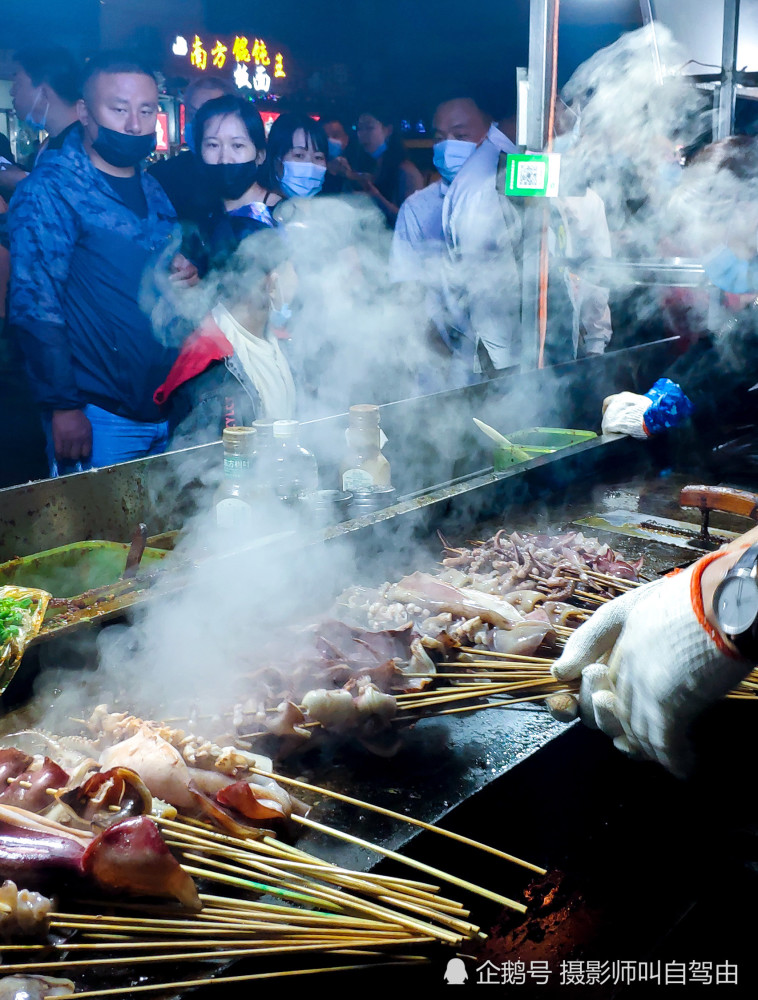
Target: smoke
{"x":640,"y":122}
{"x":636,"y":118}
{"x":353,"y":335}
{"x":356,"y":337}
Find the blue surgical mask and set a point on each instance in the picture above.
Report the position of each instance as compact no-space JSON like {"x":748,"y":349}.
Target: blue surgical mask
{"x":670,"y":174}
{"x":37,"y":121}
{"x":731,"y":273}
{"x":189,"y":136}
{"x":450,"y":155}
{"x":379,"y":151}
{"x":567,"y":140}
{"x":335,"y":149}
{"x":302,"y":180}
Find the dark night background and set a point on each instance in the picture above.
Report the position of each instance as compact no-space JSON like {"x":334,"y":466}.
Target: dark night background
{"x":409,"y":53}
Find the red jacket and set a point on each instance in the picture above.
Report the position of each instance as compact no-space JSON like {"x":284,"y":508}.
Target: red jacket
{"x":204,"y":346}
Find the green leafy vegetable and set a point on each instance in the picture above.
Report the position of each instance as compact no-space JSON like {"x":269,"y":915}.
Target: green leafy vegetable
{"x":12,"y":617}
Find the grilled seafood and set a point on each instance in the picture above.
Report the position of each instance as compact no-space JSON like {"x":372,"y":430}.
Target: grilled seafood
{"x":34,"y":987}
{"x":22,"y":911}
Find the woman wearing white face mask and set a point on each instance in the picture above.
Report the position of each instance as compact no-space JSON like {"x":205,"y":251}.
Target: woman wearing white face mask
{"x":297,"y":154}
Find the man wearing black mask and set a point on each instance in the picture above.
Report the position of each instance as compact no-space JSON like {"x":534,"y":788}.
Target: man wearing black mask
{"x":91,"y":234}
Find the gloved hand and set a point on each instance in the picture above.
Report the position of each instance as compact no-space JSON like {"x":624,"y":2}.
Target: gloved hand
{"x":584,"y":655}
{"x":663,"y":406}
{"x":665,"y":665}
{"x":624,"y":413}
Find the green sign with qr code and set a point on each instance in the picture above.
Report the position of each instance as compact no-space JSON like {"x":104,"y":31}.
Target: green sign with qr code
{"x":532,"y":175}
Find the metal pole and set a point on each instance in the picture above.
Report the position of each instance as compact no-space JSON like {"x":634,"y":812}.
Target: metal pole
{"x":540,"y":70}
{"x":649,"y":22}
{"x":725,"y":115}
{"x":541,"y":14}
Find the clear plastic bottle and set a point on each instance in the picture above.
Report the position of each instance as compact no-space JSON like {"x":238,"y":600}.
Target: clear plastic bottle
{"x":265,"y":460}
{"x":364,"y":466}
{"x":237,"y":494}
{"x":296,"y":471}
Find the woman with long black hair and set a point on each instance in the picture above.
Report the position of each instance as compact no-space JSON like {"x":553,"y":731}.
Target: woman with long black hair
{"x":231,"y":144}
{"x":389,"y":176}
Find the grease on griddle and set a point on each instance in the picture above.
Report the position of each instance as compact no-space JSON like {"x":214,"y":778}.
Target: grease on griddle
{"x":558,"y":925}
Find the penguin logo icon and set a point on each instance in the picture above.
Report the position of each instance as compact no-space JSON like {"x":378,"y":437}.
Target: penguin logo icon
{"x":455,"y":973}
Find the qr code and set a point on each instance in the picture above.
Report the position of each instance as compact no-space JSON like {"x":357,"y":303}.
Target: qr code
{"x":531,"y":175}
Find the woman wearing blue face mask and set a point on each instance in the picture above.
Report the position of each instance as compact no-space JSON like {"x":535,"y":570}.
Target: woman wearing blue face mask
{"x":386,"y":172}
{"x":231,"y":142}
{"x":343,"y":150}
{"x":297,"y":155}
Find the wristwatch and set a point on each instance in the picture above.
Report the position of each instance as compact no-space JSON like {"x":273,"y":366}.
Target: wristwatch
{"x":735,"y":604}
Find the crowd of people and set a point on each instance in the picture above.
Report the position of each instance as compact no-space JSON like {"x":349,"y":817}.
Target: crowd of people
{"x":154,"y":303}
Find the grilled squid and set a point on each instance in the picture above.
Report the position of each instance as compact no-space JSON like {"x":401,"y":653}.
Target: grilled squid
{"x":22,"y":911}
{"x":335,"y":710}
{"x":131,"y":856}
{"x":160,"y":766}
{"x":28,"y":787}
{"x":34,"y":987}
{"x":107,"y":797}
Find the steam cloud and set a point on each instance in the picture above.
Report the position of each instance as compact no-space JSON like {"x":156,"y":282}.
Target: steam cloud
{"x":358,"y":339}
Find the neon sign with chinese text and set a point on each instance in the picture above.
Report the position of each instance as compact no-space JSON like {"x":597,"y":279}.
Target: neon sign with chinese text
{"x":250,"y":57}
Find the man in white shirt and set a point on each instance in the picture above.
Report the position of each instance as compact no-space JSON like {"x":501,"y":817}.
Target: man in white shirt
{"x":419,"y":253}
{"x":482,"y":233}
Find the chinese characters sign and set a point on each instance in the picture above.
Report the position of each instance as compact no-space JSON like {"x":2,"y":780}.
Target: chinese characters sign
{"x":248,"y":58}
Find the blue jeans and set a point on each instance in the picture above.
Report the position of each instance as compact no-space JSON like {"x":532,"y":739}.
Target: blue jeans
{"x":114,"y":439}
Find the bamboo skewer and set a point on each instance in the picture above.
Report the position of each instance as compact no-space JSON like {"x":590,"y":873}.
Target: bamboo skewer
{"x":502,"y":704}
{"x":247,"y":943}
{"x":616,"y":581}
{"x":516,"y":657}
{"x":246,"y":906}
{"x":392,"y":916}
{"x":429,"y":869}
{"x":355,"y":883}
{"x":585,"y":595}
{"x":390,"y":813}
{"x":340,"y":897}
{"x":361,"y":884}
{"x":389,"y":879}
{"x":276,"y":850}
{"x":235,"y":926}
{"x":499,"y":667}
{"x":317,"y":944}
{"x":482,"y":691}
{"x":247,"y":884}
{"x":187,"y":983}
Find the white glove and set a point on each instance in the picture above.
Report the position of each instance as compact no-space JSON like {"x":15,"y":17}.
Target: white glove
{"x":664,"y":668}
{"x":587,"y":646}
{"x":624,"y":414}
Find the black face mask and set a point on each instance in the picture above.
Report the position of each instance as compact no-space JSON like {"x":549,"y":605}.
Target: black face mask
{"x":230,"y":180}
{"x":120,"y":149}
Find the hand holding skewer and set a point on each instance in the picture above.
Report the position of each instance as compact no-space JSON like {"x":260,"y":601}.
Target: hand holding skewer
{"x":650,"y":662}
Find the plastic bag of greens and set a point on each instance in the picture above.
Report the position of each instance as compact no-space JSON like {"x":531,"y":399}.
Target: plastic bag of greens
{"x":22,"y":610}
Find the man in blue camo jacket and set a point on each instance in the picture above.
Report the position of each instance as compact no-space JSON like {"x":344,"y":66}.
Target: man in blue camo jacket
{"x":91,"y":234}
